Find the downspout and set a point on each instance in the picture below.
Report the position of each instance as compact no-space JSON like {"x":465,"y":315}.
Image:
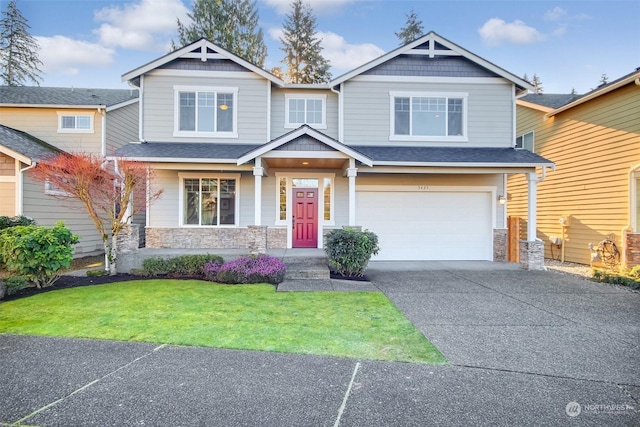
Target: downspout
{"x":340,"y":112}
{"x":103,"y":143}
{"x":21,"y":189}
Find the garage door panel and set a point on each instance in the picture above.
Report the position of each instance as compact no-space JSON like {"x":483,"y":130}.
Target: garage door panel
{"x":429,"y":225}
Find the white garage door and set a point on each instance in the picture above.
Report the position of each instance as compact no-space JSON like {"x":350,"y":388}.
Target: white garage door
{"x":428,"y":225}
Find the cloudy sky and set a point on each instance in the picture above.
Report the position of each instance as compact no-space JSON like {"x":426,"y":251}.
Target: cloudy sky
{"x":568,"y":44}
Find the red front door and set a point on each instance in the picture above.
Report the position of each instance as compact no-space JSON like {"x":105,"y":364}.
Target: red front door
{"x":305,"y":218}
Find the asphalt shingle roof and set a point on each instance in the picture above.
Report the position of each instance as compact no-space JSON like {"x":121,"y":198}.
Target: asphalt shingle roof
{"x":35,"y":95}
{"x":25,"y":144}
{"x":551,"y":100}
{"x":182,"y":150}
{"x":470,"y":155}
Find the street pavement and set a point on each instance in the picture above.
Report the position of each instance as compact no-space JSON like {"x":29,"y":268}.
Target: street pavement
{"x":524,"y":348}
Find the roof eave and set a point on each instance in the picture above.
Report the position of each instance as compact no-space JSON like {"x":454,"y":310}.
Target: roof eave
{"x":596,"y":93}
{"x":464,"y":164}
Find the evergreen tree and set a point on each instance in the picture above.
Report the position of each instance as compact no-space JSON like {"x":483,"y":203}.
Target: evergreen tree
{"x":525,"y":77}
{"x":537,"y":84}
{"x":604,"y":79}
{"x":231,"y":24}
{"x":19,"y":60}
{"x":573,"y":91}
{"x":412,"y":29}
{"x":303,"y":52}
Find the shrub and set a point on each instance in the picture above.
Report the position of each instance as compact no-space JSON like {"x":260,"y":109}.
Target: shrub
{"x":251,"y":269}
{"x":350,"y":250}
{"x":616,"y":279}
{"x":635,"y":272}
{"x":14,"y":221}
{"x":15,"y":283}
{"x":184,"y":265}
{"x":211,"y":270}
{"x":40,"y":253}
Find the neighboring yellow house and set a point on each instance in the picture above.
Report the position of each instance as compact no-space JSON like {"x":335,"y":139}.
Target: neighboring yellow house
{"x":594,"y":140}
{"x":36,"y":122}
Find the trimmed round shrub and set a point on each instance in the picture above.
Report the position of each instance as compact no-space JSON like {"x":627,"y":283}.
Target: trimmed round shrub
{"x":349,"y":250}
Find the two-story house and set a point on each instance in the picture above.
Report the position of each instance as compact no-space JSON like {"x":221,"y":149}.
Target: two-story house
{"x":415,"y":146}
{"x":594,"y":139}
{"x":39,"y":122}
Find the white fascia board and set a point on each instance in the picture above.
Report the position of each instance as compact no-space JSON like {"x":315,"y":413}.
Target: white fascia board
{"x":14,"y":154}
{"x":65,"y":106}
{"x":314,"y":86}
{"x":122,"y":104}
{"x":447,"y":170}
{"x":596,"y":93}
{"x":186,"y":51}
{"x":534,"y":106}
{"x":171,"y":159}
{"x":464,"y":164}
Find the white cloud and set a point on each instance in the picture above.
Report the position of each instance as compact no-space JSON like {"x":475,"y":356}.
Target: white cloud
{"x":62,"y":55}
{"x":342,"y":55}
{"x":345,"y":56}
{"x":145,"y":25}
{"x":496,"y":32}
{"x":555,"y":14}
{"x":319,"y":6}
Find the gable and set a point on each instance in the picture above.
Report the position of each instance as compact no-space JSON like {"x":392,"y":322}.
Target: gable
{"x":424,"y":66}
{"x":304,"y":143}
{"x":209,"y":65}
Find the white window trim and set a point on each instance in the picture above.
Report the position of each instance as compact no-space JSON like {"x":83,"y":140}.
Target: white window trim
{"x":181,"y":178}
{"x":177,"y":89}
{"x":305,"y":96}
{"x":53,"y":192}
{"x":404,"y":94}
{"x":76,"y":114}
{"x":533,"y":144}
{"x":320,"y":177}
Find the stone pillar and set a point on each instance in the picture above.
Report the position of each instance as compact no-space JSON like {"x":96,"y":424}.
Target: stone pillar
{"x":257,"y":239}
{"x":532,"y":255}
{"x":500,"y":244}
{"x":632,"y":249}
{"x":128,"y":239}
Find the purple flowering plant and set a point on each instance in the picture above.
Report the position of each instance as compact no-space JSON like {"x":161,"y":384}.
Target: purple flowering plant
{"x":248,"y":269}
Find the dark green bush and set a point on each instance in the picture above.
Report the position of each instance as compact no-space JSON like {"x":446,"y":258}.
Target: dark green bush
{"x":184,"y":265}
{"x":349,"y":250}
{"x":38,"y":252}
{"x":616,"y":279}
{"x":14,"y":221}
{"x":15,"y":283}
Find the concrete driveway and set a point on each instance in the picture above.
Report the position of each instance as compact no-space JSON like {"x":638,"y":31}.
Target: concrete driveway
{"x":525,"y":348}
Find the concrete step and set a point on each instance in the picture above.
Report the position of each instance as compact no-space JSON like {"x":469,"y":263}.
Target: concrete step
{"x":307,"y":270}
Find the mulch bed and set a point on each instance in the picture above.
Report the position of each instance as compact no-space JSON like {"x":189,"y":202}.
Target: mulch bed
{"x":65,"y":282}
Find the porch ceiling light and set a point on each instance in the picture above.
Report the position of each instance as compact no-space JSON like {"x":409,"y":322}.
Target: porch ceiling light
{"x":305,"y":163}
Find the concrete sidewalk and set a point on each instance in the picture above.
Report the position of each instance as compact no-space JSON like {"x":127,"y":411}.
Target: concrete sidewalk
{"x":525,"y":348}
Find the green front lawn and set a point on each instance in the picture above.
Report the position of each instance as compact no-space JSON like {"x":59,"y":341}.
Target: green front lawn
{"x":251,"y":317}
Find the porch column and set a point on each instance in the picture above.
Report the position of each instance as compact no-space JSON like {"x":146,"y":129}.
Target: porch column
{"x":258,"y":171}
{"x":532,"y":204}
{"x":352,"y":172}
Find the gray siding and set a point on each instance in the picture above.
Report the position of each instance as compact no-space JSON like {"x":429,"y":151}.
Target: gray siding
{"x":440,"y":66}
{"x":159,"y":108}
{"x":209,"y":65}
{"x":367,"y":115}
{"x":122,"y":126}
{"x":278,"y":111}
{"x":47,"y":210}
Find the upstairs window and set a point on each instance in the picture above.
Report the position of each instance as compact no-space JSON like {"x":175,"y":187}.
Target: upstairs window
{"x":75,"y":123}
{"x":525,"y":141}
{"x":305,"y":109}
{"x":208,"y":112}
{"x":428,"y":116}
